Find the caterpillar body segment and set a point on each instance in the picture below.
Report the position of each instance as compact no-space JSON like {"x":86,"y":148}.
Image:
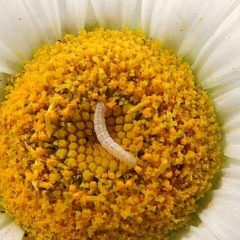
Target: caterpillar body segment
{"x":106,"y":141}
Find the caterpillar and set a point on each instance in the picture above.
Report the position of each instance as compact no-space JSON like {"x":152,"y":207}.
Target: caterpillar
{"x":106,"y":141}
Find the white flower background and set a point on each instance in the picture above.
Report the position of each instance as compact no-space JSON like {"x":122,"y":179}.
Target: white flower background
{"x":205,"y":33}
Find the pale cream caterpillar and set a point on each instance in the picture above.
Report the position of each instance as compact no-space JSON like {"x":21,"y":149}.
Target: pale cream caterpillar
{"x":106,"y":141}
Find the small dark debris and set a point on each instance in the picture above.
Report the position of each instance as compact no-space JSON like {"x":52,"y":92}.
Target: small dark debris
{"x":77,"y":178}
{"x":95,"y":179}
{"x":179,"y":167}
{"x":117,"y":101}
{"x":138,"y":116}
{"x":211,"y":160}
{"x":127,"y":177}
{"x":109,"y":92}
{"x":140,"y":153}
{"x":52,"y":148}
{"x":153,"y":135}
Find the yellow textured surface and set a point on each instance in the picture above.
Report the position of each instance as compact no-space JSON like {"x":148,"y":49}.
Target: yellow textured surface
{"x":59,"y":183}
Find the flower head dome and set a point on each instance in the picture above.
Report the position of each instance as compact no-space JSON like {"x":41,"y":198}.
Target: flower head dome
{"x":203,"y":33}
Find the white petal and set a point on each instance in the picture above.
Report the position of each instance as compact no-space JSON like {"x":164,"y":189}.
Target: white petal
{"x":232,"y":123}
{"x":222,"y":215}
{"x":8,"y":230}
{"x":231,"y":172}
{"x":227,"y":105}
{"x":219,"y":61}
{"x":116,"y":14}
{"x":199,"y":233}
{"x":232,"y":137}
{"x":53,"y":19}
{"x":73,"y":15}
{"x":232,"y":151}
{"x":230,"y":184}
{"x":186,"y":26}
{"x":228,"y":100}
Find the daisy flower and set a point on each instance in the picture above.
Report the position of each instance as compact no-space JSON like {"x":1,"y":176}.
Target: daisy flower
{"x":203,"y":33}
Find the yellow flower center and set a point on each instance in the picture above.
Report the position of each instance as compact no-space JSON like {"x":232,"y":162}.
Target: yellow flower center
{"x":60,"y":183}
